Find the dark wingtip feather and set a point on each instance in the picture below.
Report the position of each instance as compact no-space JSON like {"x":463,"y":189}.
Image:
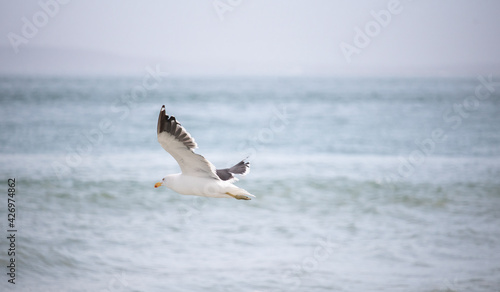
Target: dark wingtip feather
{"x":241,"y":168}
{"x":170,"y":125}
{"x":161,"y":120}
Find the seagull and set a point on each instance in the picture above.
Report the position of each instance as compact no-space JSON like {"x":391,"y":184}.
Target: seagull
{"x":199,"y":177}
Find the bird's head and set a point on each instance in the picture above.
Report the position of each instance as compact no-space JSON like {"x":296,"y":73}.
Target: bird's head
{"x":159,"y":184}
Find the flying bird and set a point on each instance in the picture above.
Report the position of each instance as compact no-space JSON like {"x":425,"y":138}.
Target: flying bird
{"x":199,"y":177}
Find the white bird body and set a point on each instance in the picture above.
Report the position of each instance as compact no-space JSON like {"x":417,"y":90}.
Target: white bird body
{"x":201,"y":186}
{"x":199,"y":177}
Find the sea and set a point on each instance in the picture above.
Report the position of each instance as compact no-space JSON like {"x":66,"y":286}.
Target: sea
{"x":361,"y":184}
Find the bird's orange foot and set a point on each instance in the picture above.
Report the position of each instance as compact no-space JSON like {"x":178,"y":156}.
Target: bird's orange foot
{"x":238,"y":197}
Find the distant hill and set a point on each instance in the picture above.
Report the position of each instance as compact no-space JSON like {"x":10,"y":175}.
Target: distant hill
{"x":33,"y":60}
{"x":56,"y":61}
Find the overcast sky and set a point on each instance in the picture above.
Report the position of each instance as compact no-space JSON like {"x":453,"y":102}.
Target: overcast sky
{"x":256,"y":37}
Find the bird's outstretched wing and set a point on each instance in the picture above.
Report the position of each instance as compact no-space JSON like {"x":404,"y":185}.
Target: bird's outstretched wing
{"x":241,"y":168}
{"x":179,"y":143}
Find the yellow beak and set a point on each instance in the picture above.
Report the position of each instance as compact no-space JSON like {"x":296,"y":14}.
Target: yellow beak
{"x":158,"y":184}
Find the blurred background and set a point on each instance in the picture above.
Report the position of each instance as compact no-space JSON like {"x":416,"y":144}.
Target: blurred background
{"x":371,"y":126}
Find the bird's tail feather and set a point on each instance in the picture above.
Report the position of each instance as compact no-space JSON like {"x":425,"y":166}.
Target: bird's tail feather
{"x":240,"y":191}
